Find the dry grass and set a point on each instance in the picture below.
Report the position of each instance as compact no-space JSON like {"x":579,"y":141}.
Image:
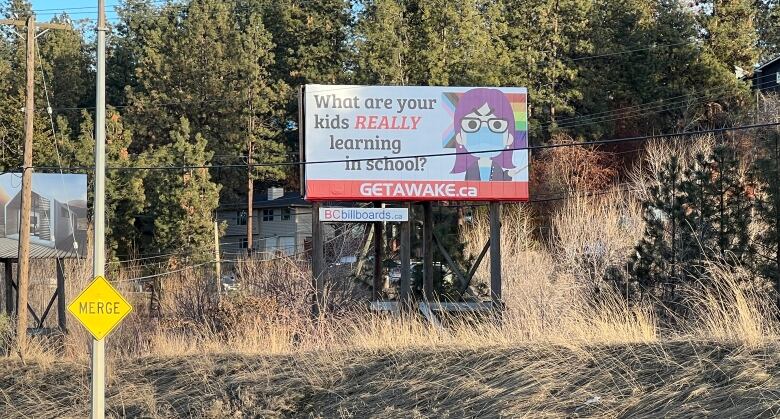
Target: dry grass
{"x":672,"y":379}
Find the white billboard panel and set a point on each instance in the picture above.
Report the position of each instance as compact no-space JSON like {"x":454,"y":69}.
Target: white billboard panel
{"x":415,"y":143}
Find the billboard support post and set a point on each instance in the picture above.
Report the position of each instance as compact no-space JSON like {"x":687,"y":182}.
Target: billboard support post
{"x":9,"y":288}
{"x":406,"y":247}
{"x":495,"y":254}
{"x":427,"y":243}
{"x":317,"y":261}
{"x":61,"y":318}
{"x":376,"y":293}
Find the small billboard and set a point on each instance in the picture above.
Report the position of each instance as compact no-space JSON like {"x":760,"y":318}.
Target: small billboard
{"x":58,"y":216}
{"x":365,"y":215}
{"x":401,"y":143}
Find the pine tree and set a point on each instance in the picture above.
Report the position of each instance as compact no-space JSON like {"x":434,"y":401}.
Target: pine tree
{"x":655,"y":265}
{"x":181,"y":202}
{"x":382,"y":42}
{"x":543,"y":36}
{"x":731,"y":43}
{"x":731,"y":32}
{"x":693,"y":218}
{"x":125,"y":197}
{"x":768,"y":208}
{"x":311,"y":42}
{"x":227,"y":94}
{"x":768,"y":25}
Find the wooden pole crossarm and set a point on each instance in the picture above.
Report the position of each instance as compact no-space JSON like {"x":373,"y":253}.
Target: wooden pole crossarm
{"x":22,"y":23}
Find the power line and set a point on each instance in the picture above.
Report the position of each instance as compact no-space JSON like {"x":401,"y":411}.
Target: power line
{"x":569,"y":121}
{"x":630,"y":51}
{"x":530,"y":148}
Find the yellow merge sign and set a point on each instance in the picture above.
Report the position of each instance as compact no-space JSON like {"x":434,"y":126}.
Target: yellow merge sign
{"x":100,"y":308}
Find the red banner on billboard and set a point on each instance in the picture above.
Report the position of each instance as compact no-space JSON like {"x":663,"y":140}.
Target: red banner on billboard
{"x":432,"y":190}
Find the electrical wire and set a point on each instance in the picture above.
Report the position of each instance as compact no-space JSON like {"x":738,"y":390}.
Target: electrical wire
{"x":530,"y":148}
{"x":57,"y":153}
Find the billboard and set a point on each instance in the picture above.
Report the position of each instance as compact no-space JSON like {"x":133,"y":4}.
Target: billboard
{"x":58,"y":217}
{"x":402,"y":143}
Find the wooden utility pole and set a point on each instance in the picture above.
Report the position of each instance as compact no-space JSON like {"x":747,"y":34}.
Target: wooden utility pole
{"x":27,"y":172}
{"x":250,"y":185}
{"x":24,"y":222}
{"x":250,"y":180}
{"x":218,"y":263}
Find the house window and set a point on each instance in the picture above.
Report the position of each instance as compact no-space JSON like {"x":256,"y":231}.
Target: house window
{"x":244,"y":243}
{"x":286,"y":245}
{"x":241,"y":218}
{"x":268,"y":215}
{"x":64,"y":212}
{"x":286,"y":214}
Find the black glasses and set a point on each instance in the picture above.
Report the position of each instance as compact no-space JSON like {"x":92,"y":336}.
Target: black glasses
{"x":473,"y":125}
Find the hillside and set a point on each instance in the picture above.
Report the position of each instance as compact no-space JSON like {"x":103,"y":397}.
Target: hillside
{"x":674,"y":379}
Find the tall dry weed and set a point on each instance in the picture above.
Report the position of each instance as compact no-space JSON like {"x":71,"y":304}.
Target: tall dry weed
{"x":593,"y":234}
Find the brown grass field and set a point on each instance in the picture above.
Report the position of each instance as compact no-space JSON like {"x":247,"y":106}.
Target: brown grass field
{"x":557,"y":351}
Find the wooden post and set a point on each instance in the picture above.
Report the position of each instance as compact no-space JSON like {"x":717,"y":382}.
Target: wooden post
{"x":61,"y":318}
{"x":250,"y":185}
{"x":406,"y":247}
{"x":23,"y":274}
{"x":495,"y":253}
{"x":9,"y":287}
{"x":427,"y":250}
{"x":379,"y":283}
{"x":317,"y":261}
{"x":217,"y":262}
{"x":23,"y":269}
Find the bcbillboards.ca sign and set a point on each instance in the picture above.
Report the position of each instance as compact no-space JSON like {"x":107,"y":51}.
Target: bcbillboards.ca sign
{"x":364,"y":214}
{"x":380,"y":143}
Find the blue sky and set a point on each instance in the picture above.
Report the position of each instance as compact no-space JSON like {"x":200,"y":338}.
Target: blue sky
{"x":78,"y":9}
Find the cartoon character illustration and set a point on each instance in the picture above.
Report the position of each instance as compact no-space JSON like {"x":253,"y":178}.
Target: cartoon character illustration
{"x":485,"y":136}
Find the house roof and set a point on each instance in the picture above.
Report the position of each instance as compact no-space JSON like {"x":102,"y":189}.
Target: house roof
{"x":9,"y":249}
{"x":289,"y":199}
{"x":768,"y":63}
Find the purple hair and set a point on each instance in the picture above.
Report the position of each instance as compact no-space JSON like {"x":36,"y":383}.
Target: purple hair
{"x":501,"y":108}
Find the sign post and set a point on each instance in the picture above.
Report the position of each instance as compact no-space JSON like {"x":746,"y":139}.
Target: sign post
{"x":98,"y":388}
{"x":100,"y":308}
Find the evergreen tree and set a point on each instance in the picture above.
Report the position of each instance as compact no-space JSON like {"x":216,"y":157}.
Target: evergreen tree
{"x":731,"y":43}
{"x":311,"y":42}
{"x":655,"y":263}
{"x":768,"y":25}
{"x":181,"y":203}
{"x":12,"y":92}
{"x":382,"y":42}
{"x":542,"y":38}
{"x":125,"y":197}
{"x":227,"y":93}
{"x":693,"y":218}
{"x":731,"y":32}
{"x":768,"y":208}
